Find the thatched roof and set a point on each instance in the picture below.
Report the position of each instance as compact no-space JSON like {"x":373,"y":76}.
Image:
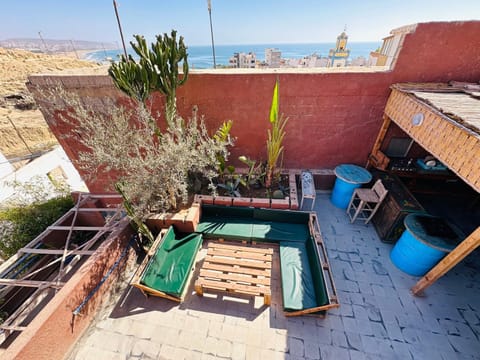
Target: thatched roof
{"x":458,"y":101}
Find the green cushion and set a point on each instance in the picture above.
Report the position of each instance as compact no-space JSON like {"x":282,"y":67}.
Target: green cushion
{"x":317,"y":272}
{"x":279,"y":231}
{"x":226,"y":227}
{"x":288,"y":216}
{"x":297,"y":284}
{"x":227,"y":211}
{"x":169,"y":268}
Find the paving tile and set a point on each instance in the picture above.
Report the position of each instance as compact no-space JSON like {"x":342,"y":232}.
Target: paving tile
{"x":239,"y":351}
{"x":145,"y":348}
{"x":312,"y":350}
{"x":295,"y":346}
{"x":381,"y":347}
{"x":324,"y":335}
{"x":402,"y":351}
{"x":224,"y":348}
{"x":354,"y":341}
{"x":165,"y":335}
{"x":328,"y":352}
{"x":357,"y":355}
{"x":253,"y":353}
{"x":360,"y":312}
{"x":465,"y":346}
{"x":358,"y":326}
{"x":379,"y":330}
{"x":393,"y":331}
{"x":339,"y":339}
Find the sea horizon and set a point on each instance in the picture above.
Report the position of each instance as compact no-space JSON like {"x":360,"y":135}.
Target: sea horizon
{"x":200,"y":56}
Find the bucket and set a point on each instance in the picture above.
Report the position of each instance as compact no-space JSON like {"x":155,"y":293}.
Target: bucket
{"x":413,"y":256}
{"x":342,"y":193}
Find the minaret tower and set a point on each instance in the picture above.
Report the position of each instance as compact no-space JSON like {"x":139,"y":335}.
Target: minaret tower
{"x":338,"y":56}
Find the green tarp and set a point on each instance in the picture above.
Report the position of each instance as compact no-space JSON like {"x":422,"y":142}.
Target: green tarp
{"x":169,"y":268}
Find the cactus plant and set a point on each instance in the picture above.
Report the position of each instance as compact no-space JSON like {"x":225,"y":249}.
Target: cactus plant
{"x":156,"y":70}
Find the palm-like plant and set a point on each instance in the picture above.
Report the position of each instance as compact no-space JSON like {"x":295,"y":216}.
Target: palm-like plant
{"x":275,"y":137}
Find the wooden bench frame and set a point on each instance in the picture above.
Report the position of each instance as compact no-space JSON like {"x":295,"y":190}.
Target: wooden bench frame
{"x":237,"y":268}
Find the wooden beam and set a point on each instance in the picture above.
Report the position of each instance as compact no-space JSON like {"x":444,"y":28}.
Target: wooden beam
{"x":56,"y":251}
{"x":95,"y":209}
{"x":12,"y":328}
{"x":80,"y":228}
{"x":30,"y":283}
{"x":380,"y":137}
{"x":448,"y":262}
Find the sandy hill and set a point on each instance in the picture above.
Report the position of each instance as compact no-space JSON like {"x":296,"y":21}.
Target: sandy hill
{"x":16,"y":104}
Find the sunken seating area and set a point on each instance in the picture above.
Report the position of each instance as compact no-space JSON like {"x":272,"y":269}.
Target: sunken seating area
{"x":307,"y":285}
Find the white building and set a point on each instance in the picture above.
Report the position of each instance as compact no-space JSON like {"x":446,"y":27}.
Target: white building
{"x":243,"y":60}
{"x":273,"y":57}
{"x":54,"y":166}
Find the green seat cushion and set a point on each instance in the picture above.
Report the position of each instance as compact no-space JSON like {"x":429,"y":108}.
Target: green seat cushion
{"x":226,"y":227}
{"x":279,"y":231}
{"x":227,"y":211}
{"x":317,"y":272}
{"x":296,"y":217}
{"x":297,"y":284}
{"x":169,"y":268}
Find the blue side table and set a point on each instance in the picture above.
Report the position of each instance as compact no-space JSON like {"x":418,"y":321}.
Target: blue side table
{"x":349,"y":177}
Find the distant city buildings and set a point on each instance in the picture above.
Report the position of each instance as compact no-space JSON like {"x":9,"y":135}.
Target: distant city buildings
{"x":243,"y":60}
{"x":337,"y":57}
{"x":273,"y":57}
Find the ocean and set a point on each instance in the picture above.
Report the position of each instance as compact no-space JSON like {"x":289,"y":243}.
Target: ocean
{"x":200,"y":57}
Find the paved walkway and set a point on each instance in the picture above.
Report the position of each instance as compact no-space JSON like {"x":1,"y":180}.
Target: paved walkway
{"x":378,"y":318}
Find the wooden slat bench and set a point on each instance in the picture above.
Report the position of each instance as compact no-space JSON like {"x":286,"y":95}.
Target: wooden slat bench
{"x":236,"y":269}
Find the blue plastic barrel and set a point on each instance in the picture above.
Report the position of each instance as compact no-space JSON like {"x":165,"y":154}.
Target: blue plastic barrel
{"x":342,"y":193}
{"x":349,"y":177}
{"x":416,"y":252}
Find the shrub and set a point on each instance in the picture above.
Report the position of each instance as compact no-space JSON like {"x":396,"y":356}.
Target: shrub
{"x":19,"y":224}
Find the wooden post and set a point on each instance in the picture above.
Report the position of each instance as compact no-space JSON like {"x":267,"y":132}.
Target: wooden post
{"x":448,"y":262}
{"x":380,"y":137}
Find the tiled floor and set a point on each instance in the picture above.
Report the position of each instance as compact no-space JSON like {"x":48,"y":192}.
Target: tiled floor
{"x":378,"y":317}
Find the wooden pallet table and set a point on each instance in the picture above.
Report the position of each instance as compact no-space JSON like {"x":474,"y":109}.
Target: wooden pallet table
{"x":237,"y":269}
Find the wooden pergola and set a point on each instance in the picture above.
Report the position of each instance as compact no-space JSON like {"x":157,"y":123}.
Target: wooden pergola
{"x":445,"y":120}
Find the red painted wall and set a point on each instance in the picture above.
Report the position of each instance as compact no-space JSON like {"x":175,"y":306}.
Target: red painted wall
{"x":333,"y":117}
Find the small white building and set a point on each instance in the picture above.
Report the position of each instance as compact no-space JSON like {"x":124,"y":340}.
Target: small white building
{"x":52,"y":167}
{"x":243,"y":60}
{"x":273,"y":57}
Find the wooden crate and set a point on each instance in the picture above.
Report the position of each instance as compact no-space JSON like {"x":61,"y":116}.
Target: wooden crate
{"x":236,"y":269}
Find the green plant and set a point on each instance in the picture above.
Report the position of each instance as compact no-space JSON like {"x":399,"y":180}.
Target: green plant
{"x":222,"y":135}
{"x":231,"y":186}
{"x":155,"y":172}
{"x":255,"y":173}
{"x":139,"y":224}
{"x":21,"y":223}
{"x":156,"y":70}
{"x":275,"y":137}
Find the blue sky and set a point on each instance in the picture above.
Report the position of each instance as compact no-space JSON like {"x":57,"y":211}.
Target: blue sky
{"x":234,"y":22}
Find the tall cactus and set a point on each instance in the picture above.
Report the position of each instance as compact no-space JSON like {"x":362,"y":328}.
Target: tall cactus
{"x":156,"y":70}
{"x":165,"y":57}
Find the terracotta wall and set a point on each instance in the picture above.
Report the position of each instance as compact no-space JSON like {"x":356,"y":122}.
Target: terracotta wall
{"x":333,"y":117}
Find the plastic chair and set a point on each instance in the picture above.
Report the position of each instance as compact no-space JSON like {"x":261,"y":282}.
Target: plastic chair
{"x":365,"y":202}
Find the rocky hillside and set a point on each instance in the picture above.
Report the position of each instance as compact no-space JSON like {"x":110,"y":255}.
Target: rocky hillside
{"x":17,"y":105}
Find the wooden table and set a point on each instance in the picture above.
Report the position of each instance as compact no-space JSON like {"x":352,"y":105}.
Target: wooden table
{"x":236,"y":268}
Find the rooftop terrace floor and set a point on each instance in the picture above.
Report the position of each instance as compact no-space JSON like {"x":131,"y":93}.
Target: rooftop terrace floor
{"x":378,"y":317}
